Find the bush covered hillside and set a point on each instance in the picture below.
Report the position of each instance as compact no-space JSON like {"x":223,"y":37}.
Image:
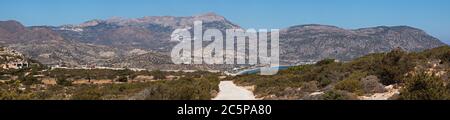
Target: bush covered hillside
{"x":105,"y":84}
{"x":22,"y":79}
{"x":393,"y":75}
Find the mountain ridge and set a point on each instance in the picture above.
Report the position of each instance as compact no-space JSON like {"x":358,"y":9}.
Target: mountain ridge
{"x":100,"y":42}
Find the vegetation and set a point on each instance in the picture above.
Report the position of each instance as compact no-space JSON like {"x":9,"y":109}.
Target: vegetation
{"x":338,"y":95}
{"x":425,"y":87}
{"x":349,"y":85}
{"x":87,"y":74}
{"x":194,"y":86}
{"x":325,"y":61}
{"x":157,"y":74}
{"x":182,"y":89}
{"x":363,"y":76}
{"x":63,"y":81}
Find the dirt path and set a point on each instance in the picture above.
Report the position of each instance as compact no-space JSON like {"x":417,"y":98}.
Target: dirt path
{"x":391,"y":91}
{"x":229,"y":91}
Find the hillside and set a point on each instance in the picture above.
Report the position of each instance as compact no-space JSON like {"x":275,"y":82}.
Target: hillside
{"x":316,"y":42}
{"x":392,"y":75}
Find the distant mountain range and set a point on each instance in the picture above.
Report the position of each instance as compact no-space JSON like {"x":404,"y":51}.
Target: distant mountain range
{"x":144,"y":42}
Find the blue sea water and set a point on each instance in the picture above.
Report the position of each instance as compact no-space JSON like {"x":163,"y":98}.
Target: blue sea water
{"x":257,"y":70}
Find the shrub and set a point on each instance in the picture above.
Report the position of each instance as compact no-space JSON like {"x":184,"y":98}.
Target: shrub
{"x":122,"y":79}
{"x":393,"y":66}
{"x":325,"y":82}
{"x":442,"y":53}
{"x":385,"y":68}
{"x":424,"y":87}
{"x":349,"y":85}
{"x":158,"y":75}
{"x":310,"y":86}
{"x":352,"y":83}
{"x":63,"y":81}
{"x":325,"y":62}
{"x":445,"y":57}
{"x":337,"y":95}
{"x":185,"y":88}
{"x":28,"y":80}
{"x":299,"y":68}
{"x":89,"y":94}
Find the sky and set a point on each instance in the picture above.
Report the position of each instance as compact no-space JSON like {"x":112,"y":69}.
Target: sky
{"x":433,"y":16}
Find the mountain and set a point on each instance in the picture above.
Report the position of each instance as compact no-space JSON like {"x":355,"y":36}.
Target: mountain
{"x":151,"y":32}
{"x":315,"y":42}
{"x":145,"y":42}
{"x":50,"y":47}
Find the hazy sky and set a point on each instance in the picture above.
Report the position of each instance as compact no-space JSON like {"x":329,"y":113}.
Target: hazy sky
{"x":432,"y":16}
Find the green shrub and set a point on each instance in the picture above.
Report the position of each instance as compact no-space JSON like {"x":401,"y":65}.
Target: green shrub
{"x":122,"y":79}
{"x":63,"y":81}
{"x":28,"y":80}
{"x":442,"y":53}
{"x":158,"y":75}
{"x":325,"y":82}
{"x":300,"y":68}
{"x":337,"y":95}
{"x":424,"y":87}
{"x":325,"y":61}
{"x":393,"y":67}
{"x":88,"y":94}
{"x":352,"y":83}
{"x":310,"y":86}
{"x":349,"y":85}
{"x":184,"y":88}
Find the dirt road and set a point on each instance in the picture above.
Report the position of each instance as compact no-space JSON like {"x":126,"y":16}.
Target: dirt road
{"x":230,"y":91}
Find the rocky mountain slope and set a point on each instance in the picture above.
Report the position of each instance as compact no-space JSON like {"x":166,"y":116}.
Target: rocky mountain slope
{"x":49,"y":47}
{"x":152,"y":33}
{"x":144,"y":42}
{"x":316,"y":42}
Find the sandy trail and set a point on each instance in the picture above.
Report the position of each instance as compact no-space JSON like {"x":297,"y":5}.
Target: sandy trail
{"x":229,"y":91}
{"x":391,"y":91}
